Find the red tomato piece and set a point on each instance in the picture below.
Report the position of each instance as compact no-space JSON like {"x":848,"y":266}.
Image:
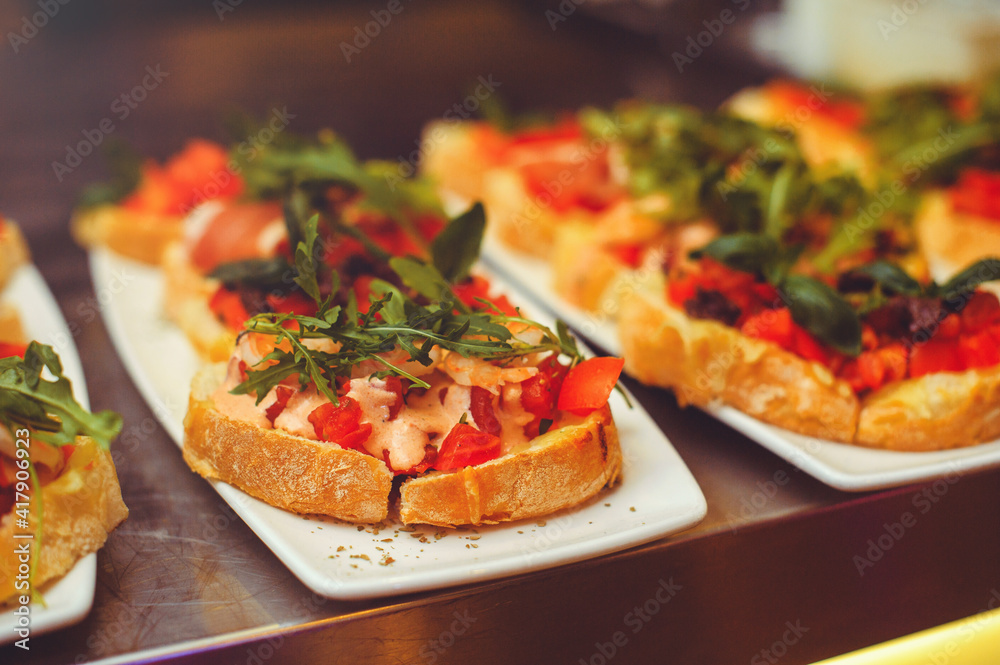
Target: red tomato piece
{"x":477,"y":288}
{"x":481,"y":406}
{"x":341,"y":424}
{"x":774,"y":325}
{"x":395,"y":384}
{"x":894,"y":359}
{"x":978,"y":350}
{"x":228,"y":307}
{"x":977,"y":192}
{"x":296,"y":302}
{"x":283,"y":394}
{"x":466,"y":446}
{"x":630,"y":255}
{"x":540,"y":393}
{"x":806,"y":346}
{"x":871,"y":369}
{"x":949,"y":327}
{"x":11,"y":349}
{"x":935,"y":355}
{"x":980,"y":312}
{"x":588,"y":385}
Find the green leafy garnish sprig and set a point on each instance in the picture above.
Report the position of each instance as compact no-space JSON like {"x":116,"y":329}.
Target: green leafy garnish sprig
{"x":394,"y":320}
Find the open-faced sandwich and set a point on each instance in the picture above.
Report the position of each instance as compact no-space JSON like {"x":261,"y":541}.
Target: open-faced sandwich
{"x":872,"y":356}
{"x":236,"y":258}
{"x":59,"y":493}
{"x":142,"y":209}
{"x":477,"y":416}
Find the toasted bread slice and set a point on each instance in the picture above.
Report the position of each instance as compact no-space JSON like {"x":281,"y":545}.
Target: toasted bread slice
{"x":451,"y":156}
{"x":560,"y":469}
{"x":556,"y":470}
{"x":82,"y":506}
{"x":186,"y":298}
{"x":286,"y":471}
{"x":952,"y":237}
{"x":136,"y":235}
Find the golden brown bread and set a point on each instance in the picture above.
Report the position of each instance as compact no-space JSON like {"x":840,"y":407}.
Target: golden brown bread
{"x":137,"y":235}
{"x":186,"y":298}
{"x":286,"y":471}
{"x":451,"y":157}
{"x":81,"y":507}
{"x":13,"y":251}
{"x":559,"y":469}
{"x":705,"y":362}
{"x":956,"y":238}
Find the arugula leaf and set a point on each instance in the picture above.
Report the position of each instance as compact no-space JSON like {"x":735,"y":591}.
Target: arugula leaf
{"x":968,"y":280}
{"x":262,"y":273}
{"x":456,"y":248}
{"x":823,"y":312}
{"x":754,"y":253}
{"x":27,"y":399}
{"x":420,"y":276}
{"x":305,"y":261}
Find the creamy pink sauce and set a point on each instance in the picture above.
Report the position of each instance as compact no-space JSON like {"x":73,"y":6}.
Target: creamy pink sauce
{"x":424,"y":420}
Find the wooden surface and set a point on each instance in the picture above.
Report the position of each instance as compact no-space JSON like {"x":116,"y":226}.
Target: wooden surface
{"x":185,"y":576}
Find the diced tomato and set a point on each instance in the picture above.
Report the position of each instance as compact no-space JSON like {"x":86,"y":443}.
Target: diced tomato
{"x":283,"y":394}
{"x":198,"y":173}
{"x":869,"y":338}
{"x":540,"y":394}
{"x":11,"y":349}
{"x":477,"y":288}
{"x":630,"y":255}
{"x":978,"y":350}
{"x":980,"y":312}
{"x":774,"y":325}
{"x":338,"y":250}
{"x":588,"y":385}
{"x":933,"y":356}
{"x":466,"y":446}
{"x":566,"y":130}
{"x":481,"y":406}
{"x":766,"y":293}
{"x":681,"y":289}
{"x":429,"y":226}
{"x":341,"y":424}
{"x":295,"y":302}
{"x":851,"y":372}
{"x":871,"y":369}
{"x":977,"y":192}
{"x":894,"y":359}
{"x":846,"y":113}
{"x":949,"y":327}
{"x":229,"y":308}
{"x":395,"y":384}
{"x":806,"y":346}
{"x":233,"y":234}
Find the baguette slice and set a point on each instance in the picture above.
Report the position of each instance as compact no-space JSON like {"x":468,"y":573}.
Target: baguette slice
{"x":562,"y":468}
{"x":185,"y":297}
{"x":286,"y":471}
{"x":136,"y":235}
{"x":952,"y":237}
{"x":559,"y":469}
{"x":81,"y":507}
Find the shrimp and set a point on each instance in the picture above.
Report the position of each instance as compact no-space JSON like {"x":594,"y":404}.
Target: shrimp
{"x":478,"y":372}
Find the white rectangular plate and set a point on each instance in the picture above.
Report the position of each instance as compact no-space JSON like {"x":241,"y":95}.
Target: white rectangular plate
{"x":658,"y":495}
{"x":843,"y":466}
{"x":68,"y":599}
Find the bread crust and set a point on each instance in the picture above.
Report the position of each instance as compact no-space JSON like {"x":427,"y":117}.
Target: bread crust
{"x":557,"y":470}
{"x":137,"y":235}
{"x":286,"y":471}
{"x":705,"y":362}
{"x":13,"y":251}
{"x":956,"y":238}
{"x":186,"y":298}
{"x":562,"y":468}
{"x":81,"y":507}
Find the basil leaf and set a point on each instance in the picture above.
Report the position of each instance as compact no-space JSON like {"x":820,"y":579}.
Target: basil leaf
{"x":986,"y":270}
{"x":456,"y":248}
{"x":264,"y":273}
{"x":823,"y":312}
{"x":891,"y":278}
{"x":747,"y":252}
